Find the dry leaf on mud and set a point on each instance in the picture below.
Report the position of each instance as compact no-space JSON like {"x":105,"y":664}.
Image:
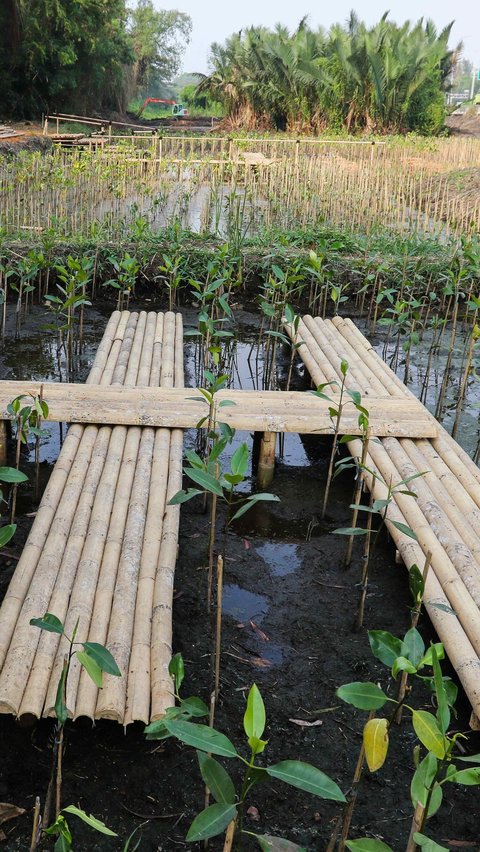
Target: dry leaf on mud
{"x":246,"y":544}
{"x":261,"y":662}
{"x":8,"y":811}
{"x":261,"y":635}
{"x":304,"y":724}
{"x":253,"y":813}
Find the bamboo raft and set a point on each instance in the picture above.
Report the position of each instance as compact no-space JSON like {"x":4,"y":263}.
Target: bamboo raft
{"x":103,"y":547}
{"x":446,"y":513}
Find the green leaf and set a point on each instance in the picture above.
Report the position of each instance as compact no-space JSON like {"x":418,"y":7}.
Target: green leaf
{"x":428,"y":732}
{"x":443,"y":712}
{"x":239,"y":462}
{"x":91,"y":667}
{"x":427,"y":659}
{"x":404,"y":529}
{"x":385,"y":647}
{"x":350,"y":531}
{"x":468,"y":777}
{"x":183,"y":496}
{"x":257,"y":745}
{"x":364,"y":696}
{"x":11,"y":474}
{"x":92,"y":821}
{"x":426,"y":843}
{"x":401,"y":664}
{"x":202,"y":737}
{"x":176,"y":670}
{"x":306,"y":777}
{"x":48,"y":622}
{"x":6,"y":534}
{"x":269,"y":843}
{"x":217,"y":779}
{"x":416,"y":583}
{"x":471,"y":758}
{"x":368,"y":844}
{"x":413,"y":646}
{"x":102,"y":657}
{"x":254,"y":719}
{"x":205,"y":480}
{"x":61,"y":710}
{"x":210,"y":822}
{"x":421,"y":783}
{"x":250,"y":501}
{"x":194,"y":706}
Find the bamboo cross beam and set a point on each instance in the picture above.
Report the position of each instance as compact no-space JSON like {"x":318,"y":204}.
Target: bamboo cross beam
{"x":183,"y":408}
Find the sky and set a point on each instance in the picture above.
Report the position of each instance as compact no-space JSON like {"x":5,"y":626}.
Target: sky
{"x":214,"y":20}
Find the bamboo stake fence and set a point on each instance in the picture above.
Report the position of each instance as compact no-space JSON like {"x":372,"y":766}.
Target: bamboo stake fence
{"x":102,"y":548}
{"x":222,"y":185}
{"x":445,"y":515}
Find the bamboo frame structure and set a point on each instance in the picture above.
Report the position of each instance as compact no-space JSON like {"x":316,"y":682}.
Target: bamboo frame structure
{"x":267,"y":411}
{"x":102,"y":548}
{"x":445,"y":513}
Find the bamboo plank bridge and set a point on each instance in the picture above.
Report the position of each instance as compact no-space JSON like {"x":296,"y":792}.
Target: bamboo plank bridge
{"x":103,"y":545}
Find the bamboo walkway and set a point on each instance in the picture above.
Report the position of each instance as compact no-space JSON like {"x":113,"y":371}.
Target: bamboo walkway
{"x":446,"y":513}
{"x":103,"y":547}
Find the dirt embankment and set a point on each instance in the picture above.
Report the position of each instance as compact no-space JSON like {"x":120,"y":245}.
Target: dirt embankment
{"x":467,"y":123}
{"x":30,"y":138}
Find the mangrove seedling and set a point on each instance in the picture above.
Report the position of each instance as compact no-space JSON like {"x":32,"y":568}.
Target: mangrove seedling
{"x":438,"y":766}
{"x":227,"y":814}
{"x":95,"y":659}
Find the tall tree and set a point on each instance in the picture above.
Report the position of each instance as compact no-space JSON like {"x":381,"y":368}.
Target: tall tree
{"x":158,"y":38}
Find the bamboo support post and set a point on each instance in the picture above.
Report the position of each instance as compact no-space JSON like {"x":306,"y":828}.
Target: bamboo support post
{"x":266,"y":460}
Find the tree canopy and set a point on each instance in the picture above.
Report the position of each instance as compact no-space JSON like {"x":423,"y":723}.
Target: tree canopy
{"x":386,"y":77}
{"x":82,"y":54}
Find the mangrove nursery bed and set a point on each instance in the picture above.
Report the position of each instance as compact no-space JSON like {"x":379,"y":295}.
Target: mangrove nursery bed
{"x":289,"y":607}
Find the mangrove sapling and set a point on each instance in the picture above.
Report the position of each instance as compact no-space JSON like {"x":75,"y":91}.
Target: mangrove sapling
{"x":229,"y":808}
{"x":95,"y":659}
{"x":127,"y":269}
{"x":473,"y":342}
{"x":380,"y":508}
{"x":437,"y":767}
{"x":209,"y":475}
{"x":11,"y":476}
{"x":61,"y":829}
{"x":27,"y":417}
{"x":172,"y":275}
{"x":358,"y":463}
{"x":336,"y":411}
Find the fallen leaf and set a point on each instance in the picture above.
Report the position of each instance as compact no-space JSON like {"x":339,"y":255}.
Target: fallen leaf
{"x":253,"y":813}
{"x":304,"y":724}
{"x":240,"y":625}
{"x":463,"y":844}
{"x":8,"y":811}
{"x":3,"y":836}
{"x":246,"y":544}
{"x":261,"y":662}
{"x":263,"y":636}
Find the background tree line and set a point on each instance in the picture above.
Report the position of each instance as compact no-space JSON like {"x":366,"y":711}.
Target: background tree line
{"x":383,"y":78}
{"x":84,"y":55}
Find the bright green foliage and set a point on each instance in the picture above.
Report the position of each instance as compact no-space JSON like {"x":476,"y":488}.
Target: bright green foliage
{"x":381,"y":78}
{"x":229,"y":805}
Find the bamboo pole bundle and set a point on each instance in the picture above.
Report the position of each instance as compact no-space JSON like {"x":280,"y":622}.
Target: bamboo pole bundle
{"x":124,"y":446}
{"x":454,"y":581}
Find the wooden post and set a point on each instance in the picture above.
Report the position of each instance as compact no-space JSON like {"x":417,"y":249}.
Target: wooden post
{"x":3,"y":442}
{"x":266,"y":461}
